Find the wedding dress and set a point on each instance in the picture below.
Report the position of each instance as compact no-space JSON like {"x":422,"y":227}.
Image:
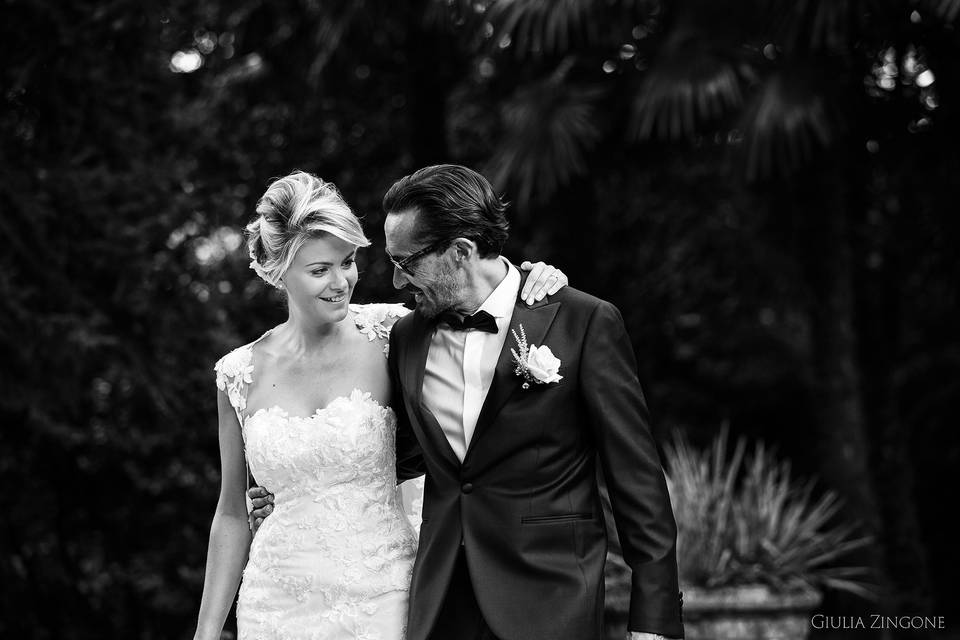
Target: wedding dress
{"x":333,"y":561}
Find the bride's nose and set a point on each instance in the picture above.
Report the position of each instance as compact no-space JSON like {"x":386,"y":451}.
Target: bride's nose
{"x":340,"y":281}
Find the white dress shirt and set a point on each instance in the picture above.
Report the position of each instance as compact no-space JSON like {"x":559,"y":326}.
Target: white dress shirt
{"x":460,"y":366}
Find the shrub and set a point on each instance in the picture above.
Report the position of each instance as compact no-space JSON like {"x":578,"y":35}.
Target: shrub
{"x":742,"y":519}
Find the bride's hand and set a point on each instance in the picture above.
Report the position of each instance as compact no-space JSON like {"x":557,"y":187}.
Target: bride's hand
{"x":262,"y":506}
{"x":544,"y":280}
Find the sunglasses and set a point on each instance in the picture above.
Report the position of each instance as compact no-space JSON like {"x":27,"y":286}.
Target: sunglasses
{"x":406,"y":263}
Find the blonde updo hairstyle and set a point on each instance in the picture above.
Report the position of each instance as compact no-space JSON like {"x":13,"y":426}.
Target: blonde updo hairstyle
{"x":294,"y":209}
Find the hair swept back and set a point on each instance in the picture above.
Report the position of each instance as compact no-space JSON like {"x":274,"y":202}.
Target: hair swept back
{"x":295,"y":208}
{"x":452,"y":201}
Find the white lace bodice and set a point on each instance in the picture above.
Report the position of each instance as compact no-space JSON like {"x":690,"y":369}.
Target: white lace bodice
{"x":334,"y":559}
{"x":235,"y":370}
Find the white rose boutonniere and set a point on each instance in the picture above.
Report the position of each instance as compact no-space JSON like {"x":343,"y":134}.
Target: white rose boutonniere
{"x":534,"y":364}
{"x":542,"y":364}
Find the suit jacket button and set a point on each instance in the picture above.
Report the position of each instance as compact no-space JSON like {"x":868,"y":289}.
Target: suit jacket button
{"x":467,"y":487}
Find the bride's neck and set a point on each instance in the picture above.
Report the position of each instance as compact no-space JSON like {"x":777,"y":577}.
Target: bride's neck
{"x":301,"y":338}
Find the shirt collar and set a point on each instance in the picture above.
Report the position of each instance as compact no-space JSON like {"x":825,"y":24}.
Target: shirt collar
{"x":501,"y":300}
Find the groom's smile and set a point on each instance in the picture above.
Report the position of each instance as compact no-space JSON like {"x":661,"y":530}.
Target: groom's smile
{"x":418,"y":269}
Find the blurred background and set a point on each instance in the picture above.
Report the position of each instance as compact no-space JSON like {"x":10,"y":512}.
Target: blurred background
{"x":767,"y":189}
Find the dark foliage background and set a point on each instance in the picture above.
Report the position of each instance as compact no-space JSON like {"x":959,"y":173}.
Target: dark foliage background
{"x":766,"y":189}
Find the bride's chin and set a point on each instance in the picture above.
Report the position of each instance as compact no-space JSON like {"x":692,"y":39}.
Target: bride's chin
{"x":338,"y":315}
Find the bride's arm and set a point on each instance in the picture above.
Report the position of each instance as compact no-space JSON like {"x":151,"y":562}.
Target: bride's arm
{"x":229,"y":532}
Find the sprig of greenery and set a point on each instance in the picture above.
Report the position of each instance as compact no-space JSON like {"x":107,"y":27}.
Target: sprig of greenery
{"x":520,"y":357}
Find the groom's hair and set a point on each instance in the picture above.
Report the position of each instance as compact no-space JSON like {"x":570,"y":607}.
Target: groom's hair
{"x":452,"y":202}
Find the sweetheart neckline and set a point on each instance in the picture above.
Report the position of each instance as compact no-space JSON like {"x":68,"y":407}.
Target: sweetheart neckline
{"x":363,"y":396}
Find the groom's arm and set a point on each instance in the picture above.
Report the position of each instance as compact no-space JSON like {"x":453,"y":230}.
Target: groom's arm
{"x":409,"y":456}
{"x":632,"y":470}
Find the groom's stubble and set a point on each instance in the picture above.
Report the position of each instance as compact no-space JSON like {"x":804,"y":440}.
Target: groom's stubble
{"x":440,"y":282}
{"x":445,"y":292}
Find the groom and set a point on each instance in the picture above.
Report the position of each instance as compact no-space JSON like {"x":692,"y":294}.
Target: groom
{"x":513,"y":407}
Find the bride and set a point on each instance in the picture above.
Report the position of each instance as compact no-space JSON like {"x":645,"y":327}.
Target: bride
{"x":307,"y":406}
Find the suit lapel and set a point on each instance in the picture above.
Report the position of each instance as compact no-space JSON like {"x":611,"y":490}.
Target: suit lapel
{"x":536,"y":321}
{"x":416,"y":360}
{"x":414,"y":368}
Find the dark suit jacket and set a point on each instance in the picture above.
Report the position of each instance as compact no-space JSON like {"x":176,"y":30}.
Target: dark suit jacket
{"x":525,"y":500}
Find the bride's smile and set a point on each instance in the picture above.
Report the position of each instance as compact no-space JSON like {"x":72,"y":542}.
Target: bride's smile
{"x":320,"y":280}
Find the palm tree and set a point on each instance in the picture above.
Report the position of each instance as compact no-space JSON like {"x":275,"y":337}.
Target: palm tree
{"x":803,"y":96}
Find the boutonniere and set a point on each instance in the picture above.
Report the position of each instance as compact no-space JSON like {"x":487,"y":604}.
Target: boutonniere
{"x":532,"y":363}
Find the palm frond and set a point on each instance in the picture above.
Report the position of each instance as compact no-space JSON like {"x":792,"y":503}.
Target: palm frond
{"x":693,"y":83}
{"x":549,"y":128}
{"x":783,"y":126}
{"x":535,"y":27}
{"x":945,"y":9}
{"x":815,"y":25}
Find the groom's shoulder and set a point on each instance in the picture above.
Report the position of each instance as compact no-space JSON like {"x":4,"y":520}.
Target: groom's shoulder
{"x":582,"y":304}
{"x":404,"y":322}
{"x":577,"y":299}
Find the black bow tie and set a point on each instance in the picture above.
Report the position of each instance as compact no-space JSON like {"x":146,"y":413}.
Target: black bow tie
{"x":481,"y":321}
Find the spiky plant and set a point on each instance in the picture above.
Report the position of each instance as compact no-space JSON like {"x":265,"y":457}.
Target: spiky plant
{"x":743,"y":519}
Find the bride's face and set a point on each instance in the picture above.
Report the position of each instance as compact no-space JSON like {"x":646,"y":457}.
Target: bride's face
{"x":321,"y":278}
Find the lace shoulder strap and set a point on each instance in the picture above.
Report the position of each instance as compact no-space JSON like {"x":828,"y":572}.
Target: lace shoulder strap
{"x":376,"y":320}
{"x":234,"y":373}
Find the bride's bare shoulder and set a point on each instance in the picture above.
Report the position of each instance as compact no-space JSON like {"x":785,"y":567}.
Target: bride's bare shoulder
{"x":238,"y":363}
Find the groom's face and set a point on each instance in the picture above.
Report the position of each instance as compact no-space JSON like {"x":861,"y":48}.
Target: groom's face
{"x":432,"y":278}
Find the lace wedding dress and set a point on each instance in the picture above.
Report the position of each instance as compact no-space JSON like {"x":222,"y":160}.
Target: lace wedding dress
{"x":333,"y":561}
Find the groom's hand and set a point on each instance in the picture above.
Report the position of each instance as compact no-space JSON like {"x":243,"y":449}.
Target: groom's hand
{"x":262,"y":506}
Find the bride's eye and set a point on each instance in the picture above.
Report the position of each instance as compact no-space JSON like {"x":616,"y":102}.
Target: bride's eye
{"x":319,"y":272}
{"x":349,"y":262}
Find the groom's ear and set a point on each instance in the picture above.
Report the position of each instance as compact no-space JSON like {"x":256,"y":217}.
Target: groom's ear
{"x":465,"y":249}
